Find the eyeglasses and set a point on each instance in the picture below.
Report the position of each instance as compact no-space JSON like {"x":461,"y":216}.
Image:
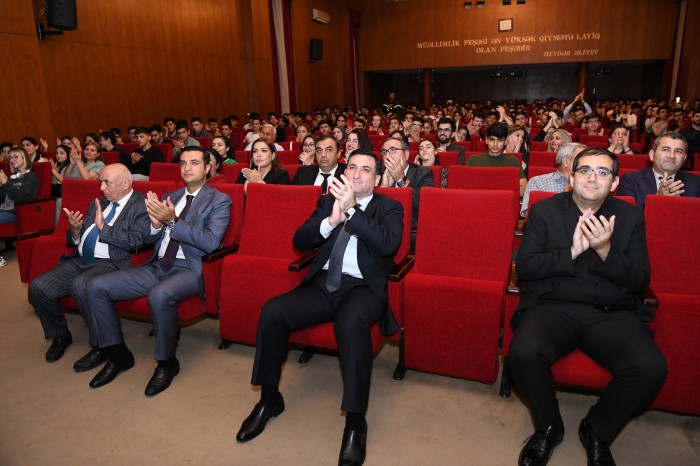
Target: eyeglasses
{"x":15,"y":157}
{"x":391,"y":150}
{"x":308,"y":144}
{"x":600,"y":172}
{"x":444,"y":130}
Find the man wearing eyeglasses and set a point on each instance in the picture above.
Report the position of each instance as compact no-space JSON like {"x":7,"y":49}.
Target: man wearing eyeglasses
{"x":446,"y":127}
{"x":496,"y":135}
{"x":399,"y":173}
{"x":582,"y":264}
{"x":325,"y":168}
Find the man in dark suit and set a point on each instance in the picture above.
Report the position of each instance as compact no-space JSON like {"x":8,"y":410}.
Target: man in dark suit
{"x":582,"y":264}
{"x":102,"y":238}
{"x":185,"y":225}
{"x":358,"y":233}
{"x":666,"y":177}
{"x":327,"y":166}
{"x":399,"y":173}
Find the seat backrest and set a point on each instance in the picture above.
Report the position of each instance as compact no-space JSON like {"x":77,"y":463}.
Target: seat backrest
{"x":672,"y":225}
{"x":586,"y":139}
{"x":232,"y":170}
{"x":43,"y":172}
{"x":111,"y":157}
{"x":235,"y":226}
{"x":161,"y":171}
{"x":167,"y":150}
{"x":76,"y":196}
{"x":242,"y":156}
{"x":538,"y":146}
{"x":635,"y":161}
{"x":128,"y":147}
{"x":535,"y":170}
{"x":466,"y":144}
{"x":287,"y":157}
{"x":405,"y":197}
{"x":450,"y":243}
{"x":543,"y":159}
{"x":292,"y":169}
{"x":161,"y":188}
{"x":272,"y":215}
{"x":487,"y":178}
{"x":447,"y":159}
{"x":204,"y":142}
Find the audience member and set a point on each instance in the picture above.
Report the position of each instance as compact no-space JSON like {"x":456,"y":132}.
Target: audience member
{"x":30,"y":146}
{"x":579,"y":112}
{"x":198,"y":130}
{"x":692,"y":135}
{"x":264,"y":166}
{"x":140,"y":160}
{"x":357,"y":139}
{"x":307,"y":156}
{"x":182,"y":140}
{"x":327,"y":152}
{"x":223,"y":147}
{"x":87,"y":166}
{"x":496,"y":136}
{"x":619,"y":140}
{"x":445,"y":129}
{"x":255,"y":125}
{"x":215,"y":161}
{"x":107,"y":143}
{"x":170,"y":127}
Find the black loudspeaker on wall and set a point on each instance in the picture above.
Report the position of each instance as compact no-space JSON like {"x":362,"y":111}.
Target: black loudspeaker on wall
{"x":316,"y":50}
{"x":62,"y":14}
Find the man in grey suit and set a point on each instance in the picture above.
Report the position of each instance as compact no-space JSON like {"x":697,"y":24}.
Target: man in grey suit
{"x":398,"y":173}
{"x":185,"y":225}
{"x":102,"y":238}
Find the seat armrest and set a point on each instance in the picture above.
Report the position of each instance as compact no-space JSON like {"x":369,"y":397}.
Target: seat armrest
{"x":220,"y":253}
{"x":402,"y":268}
{"x":302,"y":261}
{"x":142,"y":248}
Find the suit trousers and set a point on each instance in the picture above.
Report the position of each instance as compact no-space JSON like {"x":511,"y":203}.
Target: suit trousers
{"x":69,"y":278}
{"x":163,"y":290}
{"x":353,"y":309}
{"x":618,"y":341}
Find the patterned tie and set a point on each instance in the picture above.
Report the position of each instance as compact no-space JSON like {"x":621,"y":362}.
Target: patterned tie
{"x":168,"y":259}
{"x":91,"y":238}
{"x":335,"y":264}
{"x":324,"y":184}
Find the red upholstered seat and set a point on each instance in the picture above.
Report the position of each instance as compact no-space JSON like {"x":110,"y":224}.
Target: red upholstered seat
{"x":672,"y":227}
{"x":453,"y":297}
{"x":161,"y":171}
{"x":543,"y":159}
{"x":634,"y":161}
{"x":538,"y":146}
{"x":260,"y":269}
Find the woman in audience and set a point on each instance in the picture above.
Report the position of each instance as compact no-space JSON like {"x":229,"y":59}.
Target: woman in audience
{"x":619,"y":140}
{"x":30,"y":146}
{"x":516,"y":142}
{"x":302,"y":131}
{"x":357,"y":139}
{"x":5,"y":148}
{"x":308,"y":150}
{"x":339,"y":133}
{"x":21,"y":185}
{"x":87,"y":167}
{"x":558,"y":137}
{"x":58,"y":168}
{"x":428,"y":157}
{"x":264,"y":166}
{"x":222,"y":147}
{"x":91,"y":137}
{"x":215,"y":161}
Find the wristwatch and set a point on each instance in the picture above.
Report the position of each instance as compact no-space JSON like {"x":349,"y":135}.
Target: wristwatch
{"x":401,"y":183}
{"x":171,"y":223}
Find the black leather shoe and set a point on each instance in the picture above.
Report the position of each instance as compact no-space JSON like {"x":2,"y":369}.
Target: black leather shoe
{"x":255,"y":423}
{"x":111,"y":370}
{"x":91,"y":360}
{"x":161,"y":379}
{"x":539,"y":447}
{"x":597,"y":451}
{"x":354,"y":447}
{"x":58,"y":347}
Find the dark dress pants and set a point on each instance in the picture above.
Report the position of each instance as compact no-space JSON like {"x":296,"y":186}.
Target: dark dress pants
{"x":163,"y":290}
{"x":618,"y":341}
{"x":69,"y":278}
{"x":353,"y":309}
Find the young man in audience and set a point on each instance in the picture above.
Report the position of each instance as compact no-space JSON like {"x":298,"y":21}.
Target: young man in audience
{"x":400,"y":173}
{"x":445,"y":130}
{"x":140,"y":160}
{"x":254,"y":132}
{"x":198,"y":130}
{"x":183,"y":140}
{"x":102,"y":237}
{"x":592,"y":124}
{"x":107,"y":143}
{"x":496,"y":157}
{"x":324,"y":127}
{"x":579,"y":112}
{"x":582,"y":265}
{"x":692,"y":135}
{"x":170,"y":127}
{"x":357,"y":233}
{"x":131,"y":131}
{"x":156,"y":132}
{"x":660,"y":124}
{"x":476,"y":124}
{"x":326,"y":167}
{"x":666,"y":177}
{"x":185,"y":225}
{"x":557,"y":181}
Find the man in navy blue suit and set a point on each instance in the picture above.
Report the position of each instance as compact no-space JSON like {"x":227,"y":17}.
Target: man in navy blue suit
{"x":185,"y":225}
{"x":666,"y":177}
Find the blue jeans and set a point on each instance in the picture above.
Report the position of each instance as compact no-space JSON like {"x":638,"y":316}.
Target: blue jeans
{"x":7,"y":217}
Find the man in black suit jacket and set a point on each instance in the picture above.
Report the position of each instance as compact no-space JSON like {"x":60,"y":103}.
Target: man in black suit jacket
{"x":399,"y":173}
{"x":327,"y":166}
{"x":185,"y":225}
{"x":666,"y":177}
{"x":357,"y":233}
{"x":582,"y":264}
{"x":127,"y":227}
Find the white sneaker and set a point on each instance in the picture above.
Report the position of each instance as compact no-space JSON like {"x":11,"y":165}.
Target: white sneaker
{"x":3,"y":262}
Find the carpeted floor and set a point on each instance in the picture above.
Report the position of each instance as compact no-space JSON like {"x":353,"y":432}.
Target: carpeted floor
{"x":49,"y":414}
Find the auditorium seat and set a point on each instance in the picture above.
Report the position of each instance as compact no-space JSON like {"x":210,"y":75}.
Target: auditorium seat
{"x":260,"y":268}
{"x":540,"y":146}
{"x":634,"y":161}
{"x":587,"y":139}
{"x":204,"y":142}
{"x":674,"y":256}
{"x":292,"y":169}
{"x":542,"y":159}
{"x":453,"y":297}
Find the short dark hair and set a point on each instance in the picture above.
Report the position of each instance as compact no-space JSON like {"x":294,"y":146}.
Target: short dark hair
{"x":182,"y":124}
{"x":129,"y":128}
{"x":115,"y":131}
{"x":329,"y":137}
{"x":368,"y":153}
{"x":168,"y":119}
{"x":196,"y":119}
{"x":155,"y":127}
{"x":142,"y":130}
{"x":497,"y":130}
{"x":591,"y":116}
{"x":213,"y":120}
{"x":448,"y":121}
{"x":671,"y":135}
{"x":205,"y":153}
{"x":109,"y":135}
{"x":595,"y":151}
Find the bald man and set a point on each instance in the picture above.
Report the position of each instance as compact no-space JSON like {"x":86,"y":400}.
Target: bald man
{"x":103,"y":237}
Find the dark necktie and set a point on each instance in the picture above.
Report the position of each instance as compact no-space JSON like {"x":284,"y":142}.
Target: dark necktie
{"x":168,"y":259}
{"x":91,"y":238}
{"x":324,"y":184}
{"x":335,"y":264}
